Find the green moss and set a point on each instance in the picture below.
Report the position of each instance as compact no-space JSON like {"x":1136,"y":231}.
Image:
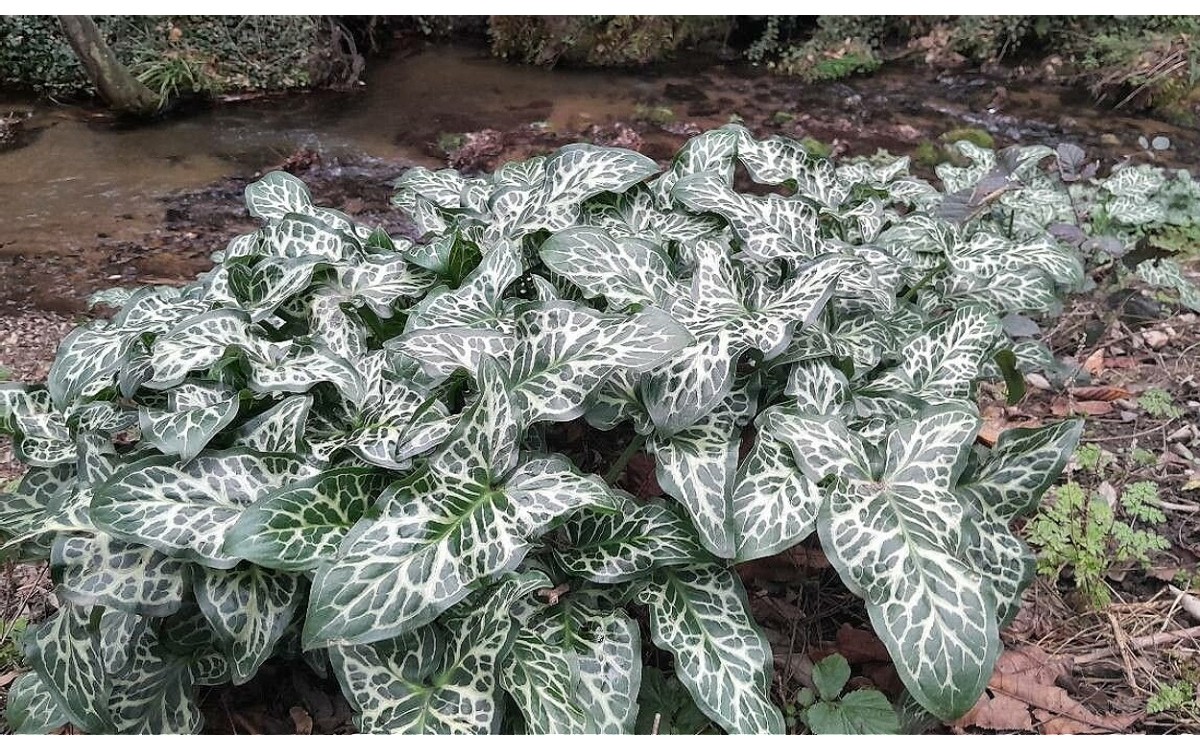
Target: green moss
{"x":448,"y":142}
{"x":782,"y":118}
{"x":816,"y":147}
{"x":977,"y":136}
{"x":928,"y":154}
{"x":654,"y":114}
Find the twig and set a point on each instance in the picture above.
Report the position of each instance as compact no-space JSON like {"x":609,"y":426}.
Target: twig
{"x":1187,"y":602}
{"x":1145,"y":641}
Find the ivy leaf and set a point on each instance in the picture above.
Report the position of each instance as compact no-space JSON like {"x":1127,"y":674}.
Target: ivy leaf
{"x":699,"y":614}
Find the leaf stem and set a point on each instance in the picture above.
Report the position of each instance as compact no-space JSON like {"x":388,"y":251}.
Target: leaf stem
{"x":614,"y":471}
{"x":911,"y":293}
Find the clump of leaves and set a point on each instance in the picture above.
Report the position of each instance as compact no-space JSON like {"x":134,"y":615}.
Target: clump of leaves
{"x":827,"y":711}
{"x":343,"y":445}
{"x":1082,"y":531}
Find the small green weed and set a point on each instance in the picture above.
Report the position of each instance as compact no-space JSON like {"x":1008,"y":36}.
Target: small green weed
{"x":857,"y":712}
{"x":1158,"y":403}
{"x":1173,"y":696}
{"x":1093,"y":458}
{"x":11,"y":632}
{"x":1081,"y":531}
{"x":1143,"y":458}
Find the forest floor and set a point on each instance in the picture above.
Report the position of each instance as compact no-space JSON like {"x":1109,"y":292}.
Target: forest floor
{"x":1131,"y":664}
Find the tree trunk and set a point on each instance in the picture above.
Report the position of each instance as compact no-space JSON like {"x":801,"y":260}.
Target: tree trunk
{"x":116,"y":85}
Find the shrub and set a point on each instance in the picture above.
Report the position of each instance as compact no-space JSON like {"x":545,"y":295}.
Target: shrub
{"x":350,"y":446}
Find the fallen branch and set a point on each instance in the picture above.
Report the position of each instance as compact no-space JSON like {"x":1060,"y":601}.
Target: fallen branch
{"x":1145,"y":641}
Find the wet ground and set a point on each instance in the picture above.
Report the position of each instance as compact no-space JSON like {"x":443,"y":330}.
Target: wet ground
{"x":88,"y":203}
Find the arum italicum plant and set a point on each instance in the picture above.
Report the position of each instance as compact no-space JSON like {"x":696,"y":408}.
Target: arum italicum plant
{"x":343,"y":445}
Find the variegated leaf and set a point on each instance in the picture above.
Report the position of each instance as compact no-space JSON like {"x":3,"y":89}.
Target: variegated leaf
{"x":575,"y":669}
{"x":565,"y":352}
{"x":65,"y":653}
{"x":774,"y":505}
{"x":195,"y":344}
{"x":476,"y":303}
{"x":700,"y":615}
{"x":821,"y":444}
{"x":572,"y":174}
{"x":194,"y":415}
{"x":153,"y":694}
{"x":279,"y":429}
{"x":696,"y":466}
{"x":1166,"y":273}
{"x":300,"y":367}
{"x":943,"y":362}
{"x":276,"y":195}
{"x":132,"y":578}
{"x":380,"y":282}
{"x":899,"y":543}
{"x":625,"y":272}
{"x":248,"y":608}
{"x":119,"y":634}
{"x":770,"y":226}
{"x":32,"y":708}
{"x":301,"y":525}
{"x":623,"y":546}
{"x":713,"y":151}
{"x":1007,"y":486}
{"x":307,"y":238}
{"x":439,"y":679}
{"x":186,"y":511}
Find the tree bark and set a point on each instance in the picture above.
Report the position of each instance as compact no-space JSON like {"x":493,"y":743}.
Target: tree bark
{"x":116,"y":85}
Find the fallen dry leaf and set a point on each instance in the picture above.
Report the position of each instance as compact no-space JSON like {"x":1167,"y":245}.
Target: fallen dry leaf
{"x":1094,"y":364}
{"x":1061,"y":407}
{"x":1100,"y":393}
{"x":1023,"y":690}
{"x":991,"y":429}
{"x":301,"y":720}
{"x":8,"y":677}
{"x":859,"y":645}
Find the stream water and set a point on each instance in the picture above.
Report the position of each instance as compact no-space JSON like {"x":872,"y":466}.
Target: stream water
{"x":83,"y":182}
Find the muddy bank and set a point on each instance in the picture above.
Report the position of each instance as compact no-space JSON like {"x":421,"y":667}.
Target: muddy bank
{"x":88,"y":204}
